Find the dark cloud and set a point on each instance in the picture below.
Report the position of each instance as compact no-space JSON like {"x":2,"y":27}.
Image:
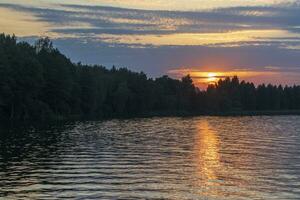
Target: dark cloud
{"x":159,"y":60}
{"x":132,"y":21}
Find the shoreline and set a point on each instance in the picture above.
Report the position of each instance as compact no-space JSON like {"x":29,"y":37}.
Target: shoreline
{"x":74,"y":119}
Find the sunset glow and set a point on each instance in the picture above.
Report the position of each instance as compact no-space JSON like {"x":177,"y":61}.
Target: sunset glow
{"x":211,"y":78}
{"x":203,"y":78}
{"x":150,"y":99}
{"x":211,"y":39}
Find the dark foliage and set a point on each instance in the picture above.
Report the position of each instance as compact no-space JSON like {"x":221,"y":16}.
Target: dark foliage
{"x":38,"y":83}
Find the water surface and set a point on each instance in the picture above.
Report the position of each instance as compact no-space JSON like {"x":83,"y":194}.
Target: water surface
{"x":158,"y":158}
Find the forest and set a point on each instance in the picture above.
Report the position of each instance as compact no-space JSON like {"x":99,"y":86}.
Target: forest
{"x":37,"y":82}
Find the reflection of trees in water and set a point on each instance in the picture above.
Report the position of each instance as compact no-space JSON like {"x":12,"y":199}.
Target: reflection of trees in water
{"x":209,"y":157}
{"x":23,"y":151}
{"x":23,"y":144}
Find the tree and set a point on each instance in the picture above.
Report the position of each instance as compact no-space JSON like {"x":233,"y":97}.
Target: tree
{"x":44,"y":44}
{"x":39,"y":82}
{"x":120,"y":99}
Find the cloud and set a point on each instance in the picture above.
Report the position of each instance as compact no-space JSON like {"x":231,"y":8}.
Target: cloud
{"x":157,"y":41}
{"x":160,"y":4}
{"x":22,"y":24}
{"x":158,"y":61}
{"x":97,"y":20}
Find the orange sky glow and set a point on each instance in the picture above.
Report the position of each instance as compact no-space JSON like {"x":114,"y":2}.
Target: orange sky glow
{"x":203,"y":78}
{"x":209,"y":40}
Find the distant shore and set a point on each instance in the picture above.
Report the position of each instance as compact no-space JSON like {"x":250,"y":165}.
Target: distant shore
{"x":187,"y":114}
{"x":40,"y":84}
{"x":63,"y":120}
{"x":224,"y":114}
{"x":260,"y":113}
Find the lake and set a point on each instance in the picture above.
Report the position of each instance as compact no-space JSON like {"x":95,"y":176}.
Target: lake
{"x":155,"y":158}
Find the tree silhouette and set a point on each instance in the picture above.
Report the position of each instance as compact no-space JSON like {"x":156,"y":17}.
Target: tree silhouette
{"x":39,"y":83}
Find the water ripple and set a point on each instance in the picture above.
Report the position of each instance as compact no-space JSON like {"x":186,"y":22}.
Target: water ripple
{"x":158,"y":158}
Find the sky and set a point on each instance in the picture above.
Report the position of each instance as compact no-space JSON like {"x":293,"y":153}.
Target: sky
{"x":258,"y":40}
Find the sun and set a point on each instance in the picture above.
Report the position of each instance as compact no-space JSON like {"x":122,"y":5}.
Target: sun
{"x":211,"y":75}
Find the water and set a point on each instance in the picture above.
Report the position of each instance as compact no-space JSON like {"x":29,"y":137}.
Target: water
{"x":159,"y":158}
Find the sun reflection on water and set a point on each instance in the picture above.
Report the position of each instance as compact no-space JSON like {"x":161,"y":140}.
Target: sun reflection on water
{"x":207,"y":158}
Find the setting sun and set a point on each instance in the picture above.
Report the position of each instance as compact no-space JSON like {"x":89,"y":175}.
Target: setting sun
{"x":211,"y":78}
{"x":211,"y":75}
{"x":150,"y":99}
{"x":203,"y":78}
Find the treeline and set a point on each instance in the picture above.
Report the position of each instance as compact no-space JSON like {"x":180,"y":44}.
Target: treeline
{"x":37,"y":82}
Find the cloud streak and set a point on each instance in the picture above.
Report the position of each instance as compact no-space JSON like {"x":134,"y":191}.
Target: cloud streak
{"x":160,"y":4}
{"x":156,"y":40}
{"x":118,"y":21}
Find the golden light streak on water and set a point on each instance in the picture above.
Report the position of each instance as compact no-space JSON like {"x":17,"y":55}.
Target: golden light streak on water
{"x":207,"y":159}
{"x":212,"y":158}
